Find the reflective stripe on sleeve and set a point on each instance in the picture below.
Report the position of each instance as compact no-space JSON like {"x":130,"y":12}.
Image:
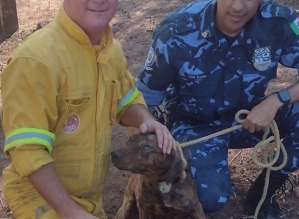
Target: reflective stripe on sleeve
{"x":128,"y":98}
{"x":25,"y":136}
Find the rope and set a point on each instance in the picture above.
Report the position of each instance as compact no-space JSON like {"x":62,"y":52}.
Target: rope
{"x":166,"y":187}
{"x":183,"y":174}
{"x":271,"y":155}
{"x":225,"y":131}
{"x":271,"y":147}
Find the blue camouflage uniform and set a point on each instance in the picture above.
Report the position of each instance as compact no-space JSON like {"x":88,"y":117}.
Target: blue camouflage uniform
{"x":205,"y":78}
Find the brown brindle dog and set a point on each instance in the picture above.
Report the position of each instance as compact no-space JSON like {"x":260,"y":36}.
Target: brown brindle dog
{"x":143,"y":198}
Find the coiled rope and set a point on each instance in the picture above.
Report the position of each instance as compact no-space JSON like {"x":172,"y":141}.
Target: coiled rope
{"x":271,"y":146}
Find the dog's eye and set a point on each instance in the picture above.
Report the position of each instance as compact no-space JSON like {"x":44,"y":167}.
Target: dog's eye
{"x":146,"y":148}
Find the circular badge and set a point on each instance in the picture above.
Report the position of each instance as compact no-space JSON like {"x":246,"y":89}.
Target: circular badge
{"x":72,"y":124}
{"x":151,"y":57}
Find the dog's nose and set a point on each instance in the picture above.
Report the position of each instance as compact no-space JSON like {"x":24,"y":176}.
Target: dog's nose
{"x":115,"y":155}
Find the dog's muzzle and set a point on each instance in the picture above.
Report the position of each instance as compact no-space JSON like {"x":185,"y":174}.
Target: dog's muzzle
{"x":115,"y":155}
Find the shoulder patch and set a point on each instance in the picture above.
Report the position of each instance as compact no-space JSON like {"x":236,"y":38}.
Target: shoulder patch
{"x":175,"y":24}
{"x":273,"y":9}
{"x":180,"y":20}
{"x":295,"y":26}
{"x":151,"y":58}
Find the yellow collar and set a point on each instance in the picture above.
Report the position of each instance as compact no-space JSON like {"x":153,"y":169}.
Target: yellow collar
{"x":103,"y":49}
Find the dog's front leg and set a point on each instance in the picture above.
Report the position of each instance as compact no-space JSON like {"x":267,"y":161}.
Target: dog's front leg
{"x":144,"y":215}
{"x":198,"y":212}
{"x":128,"y":210}
{"x":145,"y":210}
{"x":180,"y":216}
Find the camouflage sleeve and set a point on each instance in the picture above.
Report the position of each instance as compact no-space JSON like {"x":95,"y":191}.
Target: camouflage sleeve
{"x":157,"y":72}
{"x":290,"y":52}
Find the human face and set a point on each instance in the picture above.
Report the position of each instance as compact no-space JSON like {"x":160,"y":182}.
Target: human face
{"x":92,"y":16}
{"x":232,"y":15}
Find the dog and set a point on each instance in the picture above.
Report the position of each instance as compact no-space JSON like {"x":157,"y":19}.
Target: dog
{"x":157,"y":189}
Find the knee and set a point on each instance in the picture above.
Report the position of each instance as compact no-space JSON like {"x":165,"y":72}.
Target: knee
{"x":212,"y":201}
{"x":213,"y":196}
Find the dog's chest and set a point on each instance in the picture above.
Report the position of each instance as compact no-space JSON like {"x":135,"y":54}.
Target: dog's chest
{"x":157,"y":211}
{"x":151,"y":202}
{"x":151,"y":196}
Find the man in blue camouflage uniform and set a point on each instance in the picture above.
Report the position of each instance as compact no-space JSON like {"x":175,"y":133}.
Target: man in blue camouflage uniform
{"x":208,"y":60}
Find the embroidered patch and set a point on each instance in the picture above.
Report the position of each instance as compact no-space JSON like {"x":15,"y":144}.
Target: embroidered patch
{"x":72,"y":124}
{"x":295,"y":26}
{"x":151,"y":58}
{"x":200,"y":77}
{"x":262,"y":58}
{"x":205,"y":33}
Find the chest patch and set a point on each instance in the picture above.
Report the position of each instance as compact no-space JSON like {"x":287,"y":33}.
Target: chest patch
{"x":72,"y":124}
{"x":262,"y":58}
{"x":198,"y":77}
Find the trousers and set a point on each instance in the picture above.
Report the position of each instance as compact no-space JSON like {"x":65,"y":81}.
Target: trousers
{"x":209,"y":164}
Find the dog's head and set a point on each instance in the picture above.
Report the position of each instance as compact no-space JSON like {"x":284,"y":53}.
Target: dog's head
{"x":142,"y":155}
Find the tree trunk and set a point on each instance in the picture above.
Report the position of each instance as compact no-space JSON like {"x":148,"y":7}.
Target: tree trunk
{"x":8,"y":18}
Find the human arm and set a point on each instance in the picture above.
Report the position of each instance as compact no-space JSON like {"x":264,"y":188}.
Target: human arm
{"x":47,"y":184}
{"x":158,"y":71}
{"x":262,"y":114}
{"x":134,"y":113}
{"x":29,"y":92}
{"x":138,"y":116}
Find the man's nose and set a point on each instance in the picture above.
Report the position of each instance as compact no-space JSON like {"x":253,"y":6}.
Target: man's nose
{"x":238,"y":5}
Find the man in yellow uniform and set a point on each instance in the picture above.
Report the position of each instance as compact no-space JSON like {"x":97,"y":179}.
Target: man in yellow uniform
{"x":62,"y":90}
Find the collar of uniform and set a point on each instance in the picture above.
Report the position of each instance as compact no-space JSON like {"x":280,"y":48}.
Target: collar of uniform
{"x":254,"y":28}
{"x":71,"y":27}
{"x":208,"y":26}
{"x":208,"y":23}
{"x":104,"y":50}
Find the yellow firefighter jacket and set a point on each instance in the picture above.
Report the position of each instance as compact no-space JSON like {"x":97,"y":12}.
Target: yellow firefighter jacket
{"x":60,"y":97}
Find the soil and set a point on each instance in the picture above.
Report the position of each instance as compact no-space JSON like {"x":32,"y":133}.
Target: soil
{"x":132,"y":26}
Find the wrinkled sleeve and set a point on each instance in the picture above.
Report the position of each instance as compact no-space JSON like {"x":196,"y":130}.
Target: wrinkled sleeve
{"x":29,"y":92}
{"x":290,"y":52}
{"x":158,"y":71}
{"x":129,"y":93}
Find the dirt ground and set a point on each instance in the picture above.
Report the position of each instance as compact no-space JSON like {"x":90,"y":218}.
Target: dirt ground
{"x":132,"y":26}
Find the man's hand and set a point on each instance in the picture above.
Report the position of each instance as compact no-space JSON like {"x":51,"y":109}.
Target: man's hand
{"x":138,"y":116}
{"x":47,"y":183}
{"x":80,"y":215}
{"x":165,"y":140}
{"x":262,"y":114}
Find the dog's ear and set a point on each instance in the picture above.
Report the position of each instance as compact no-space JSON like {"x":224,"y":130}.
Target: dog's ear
{"x":174,"y":165}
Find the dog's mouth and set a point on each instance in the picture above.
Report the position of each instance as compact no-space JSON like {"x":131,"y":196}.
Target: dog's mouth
{"x":136,"y":170}
{"x":133,"y":169}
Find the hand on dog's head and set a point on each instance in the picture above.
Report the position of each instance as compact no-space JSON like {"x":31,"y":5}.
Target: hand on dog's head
{"x":143,"y":156}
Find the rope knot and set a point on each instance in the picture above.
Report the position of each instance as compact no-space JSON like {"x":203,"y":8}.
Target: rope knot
{"x":166,"y":187}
